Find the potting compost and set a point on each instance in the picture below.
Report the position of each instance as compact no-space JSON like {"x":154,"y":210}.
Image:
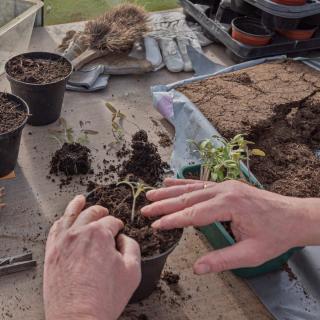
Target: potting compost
{"x":10,"y":116}
{"x":276,"y":106}
{"x":37,"y":70}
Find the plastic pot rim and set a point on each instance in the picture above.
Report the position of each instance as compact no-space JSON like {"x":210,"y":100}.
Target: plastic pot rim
{"x":167,"y":252}
{"x":25,"y":105}
{"x":269,"y":35}
{"x":11,"y":78}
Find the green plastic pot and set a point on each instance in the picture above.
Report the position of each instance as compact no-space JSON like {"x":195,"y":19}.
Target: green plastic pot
{"x":219,"y":238}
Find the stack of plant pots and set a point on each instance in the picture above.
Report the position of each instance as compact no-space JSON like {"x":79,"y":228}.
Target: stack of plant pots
{"x":252,"y":29}
{"x":40,"y":99}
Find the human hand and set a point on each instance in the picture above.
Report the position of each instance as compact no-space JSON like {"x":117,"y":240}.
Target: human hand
{"x":87,"y":273}
{"x":264,"y":224}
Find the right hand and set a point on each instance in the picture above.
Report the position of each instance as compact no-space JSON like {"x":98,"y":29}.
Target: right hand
{"x":87,"y":273}
{"x":264,"y":224}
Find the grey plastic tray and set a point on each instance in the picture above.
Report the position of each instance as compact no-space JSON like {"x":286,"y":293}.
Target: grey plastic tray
{"x":311,"y":8}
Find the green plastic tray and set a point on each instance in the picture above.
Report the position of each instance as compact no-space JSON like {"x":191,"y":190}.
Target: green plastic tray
{"x":219,"y":238}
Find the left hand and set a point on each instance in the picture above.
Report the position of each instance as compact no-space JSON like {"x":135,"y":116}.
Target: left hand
{"x":87,"y":273}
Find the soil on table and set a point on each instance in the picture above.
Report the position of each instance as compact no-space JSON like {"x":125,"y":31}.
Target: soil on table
{"x":71,"y":159}
{"x":277,"y":105}
{"x":118,"y":200}
{"x":170,"y":278}
{"x":11,"y":115}
{"x":144,"y":161}
{"x":164,"y":140}
{"x":38,"y":71}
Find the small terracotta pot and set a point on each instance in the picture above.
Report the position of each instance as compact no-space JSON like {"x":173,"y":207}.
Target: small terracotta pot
{"x":291,"y":2}
{"x":298,"y":34}
{"x":250,"y":31}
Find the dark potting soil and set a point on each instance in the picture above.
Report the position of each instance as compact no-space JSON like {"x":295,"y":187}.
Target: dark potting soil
{"x":170,"y":278}
{"x":10,"y":115}
{"x":38,"y":71}
{"x":289,"y":271}
{"x":277,"y":105}
{"x":118,"y":200}
{"x":144,"y":161}
{"x":71,"y":159}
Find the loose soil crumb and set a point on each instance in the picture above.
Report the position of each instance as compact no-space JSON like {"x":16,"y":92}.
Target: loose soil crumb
{"x":118,"y":200}
{"x":38,"y":71}
{"x":170,"y":278}
{"x":71,"y":159}
{"x":144,"y":161}
{"x":290,"y":273}
{"x":277,"y":105}
{"x":164,"y":140}
{"x":11,"y":114}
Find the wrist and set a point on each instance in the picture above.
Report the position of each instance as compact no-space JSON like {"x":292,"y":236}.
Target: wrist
{"x":307,"y":222}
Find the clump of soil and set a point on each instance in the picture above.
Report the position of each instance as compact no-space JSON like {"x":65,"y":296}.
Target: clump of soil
{"x":170,"y":278}
{"x":38,"y":71}
{"x":164,"y":140}
{"x":71,"y":159}
{"x":278,"y":109}
{"x":11,"y":115}
{"x":118,"y":200}
{"x":144,"y":161}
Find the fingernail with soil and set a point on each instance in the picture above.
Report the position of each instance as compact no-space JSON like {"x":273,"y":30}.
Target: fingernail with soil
{"x":201,"y":268}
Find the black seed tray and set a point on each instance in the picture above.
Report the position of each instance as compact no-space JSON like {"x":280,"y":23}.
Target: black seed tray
{"x":222,"y":33}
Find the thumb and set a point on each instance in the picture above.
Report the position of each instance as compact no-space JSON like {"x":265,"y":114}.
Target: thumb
{"x":242,"y":254}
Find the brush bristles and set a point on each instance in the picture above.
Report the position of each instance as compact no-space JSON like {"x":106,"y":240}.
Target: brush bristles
{"x":118,"y":29}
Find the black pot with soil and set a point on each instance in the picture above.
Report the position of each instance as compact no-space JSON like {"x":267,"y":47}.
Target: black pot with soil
{"x":40,"y":79}
{"x":13,"y":117}
{"x":155,"y":246}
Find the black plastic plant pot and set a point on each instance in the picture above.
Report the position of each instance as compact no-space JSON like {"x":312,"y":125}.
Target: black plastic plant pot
{"x":312,"y":21}
{"x":10,"y":141}
{"x":220,"y":238}
{"x":224,"y":13}
{"x":244,"y":8}
{"x":274,"y":22}
{"x":44,"y":100}
{"x":151,"y":272}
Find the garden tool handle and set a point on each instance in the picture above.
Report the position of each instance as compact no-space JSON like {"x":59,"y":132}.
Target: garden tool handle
{"x":86,"y":57}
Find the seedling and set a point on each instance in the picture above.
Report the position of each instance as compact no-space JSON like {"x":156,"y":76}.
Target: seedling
{"x":220,"y":163}
{"x":66,"y":134}
{"x":117,"y":122}
{"x":137,"y":188}
{"x":1,"y":195}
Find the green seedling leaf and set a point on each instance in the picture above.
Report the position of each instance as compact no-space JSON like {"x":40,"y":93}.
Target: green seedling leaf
{"x":220,"y":163}
{"x":111,"y":108}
